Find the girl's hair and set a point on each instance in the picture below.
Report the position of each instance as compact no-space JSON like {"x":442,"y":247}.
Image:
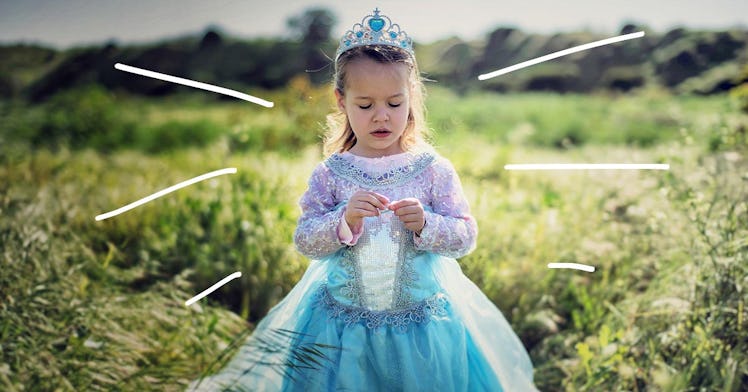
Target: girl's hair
{"x":339,"y":136}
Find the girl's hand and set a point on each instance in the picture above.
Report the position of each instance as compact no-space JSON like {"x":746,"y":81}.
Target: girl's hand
{"x":410,"y":212}
{"x":361,"y":204}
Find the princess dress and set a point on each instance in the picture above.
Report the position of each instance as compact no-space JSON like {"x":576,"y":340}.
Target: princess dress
{"x":383,"y":309}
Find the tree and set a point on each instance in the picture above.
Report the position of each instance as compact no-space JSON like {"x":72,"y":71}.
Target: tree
{"x":313,"y":28}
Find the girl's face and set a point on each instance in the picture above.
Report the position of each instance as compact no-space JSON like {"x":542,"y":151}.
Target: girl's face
{"x":376,"y":101}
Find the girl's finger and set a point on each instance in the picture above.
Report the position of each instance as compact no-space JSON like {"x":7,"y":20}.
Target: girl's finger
{"x":382,"y":199}
{"x":403,"y":203}
{"x":410,"y":219}
{"x":365,"y":212}
{"x":365,"y":206}
{"x":396,"y":204}
{"x":414,"y":226}
{"x":407,"y":210}
{"x":379,"y":201}
{"x":373,"y":200}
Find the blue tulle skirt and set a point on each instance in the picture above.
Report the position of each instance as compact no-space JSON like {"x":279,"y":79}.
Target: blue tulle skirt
{"x":302,"y":344}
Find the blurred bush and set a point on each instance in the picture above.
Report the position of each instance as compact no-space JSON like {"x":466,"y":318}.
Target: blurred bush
{"x":86,"y":117}
{"x":92,"y":117}
{"x":173,"y":135}
{"x":623,"y":78}
{"x":741,"y":90}
{"x":297,"y":120}
{"x":715,"y":80}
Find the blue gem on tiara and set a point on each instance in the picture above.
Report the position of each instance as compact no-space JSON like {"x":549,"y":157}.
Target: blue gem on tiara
{"x":375,"y":29}
{"x":376,"y":24}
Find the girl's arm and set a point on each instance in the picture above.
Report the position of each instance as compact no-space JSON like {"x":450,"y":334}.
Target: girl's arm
{"x":317,"y":230}
{"x":450,"y":230}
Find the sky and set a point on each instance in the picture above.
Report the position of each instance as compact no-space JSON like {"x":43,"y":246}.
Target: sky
{"x":66,"y":23}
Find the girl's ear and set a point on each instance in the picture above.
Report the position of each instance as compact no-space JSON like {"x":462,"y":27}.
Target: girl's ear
{"x":340,"y":99}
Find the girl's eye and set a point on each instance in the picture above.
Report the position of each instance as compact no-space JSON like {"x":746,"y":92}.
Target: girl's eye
{"x":394,"y":105}
{"x":364,"y":107}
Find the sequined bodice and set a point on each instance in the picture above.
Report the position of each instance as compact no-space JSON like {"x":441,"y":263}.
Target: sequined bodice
{"x":378,"y":269}
{"x":379,"y":265}
{"x":386,"y":275}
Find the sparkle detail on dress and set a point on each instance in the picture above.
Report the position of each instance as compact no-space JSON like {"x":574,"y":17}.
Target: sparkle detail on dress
{"x":377,"y":263}
{"x":419,"y":312}
{"x":393,"y":177}
{"x":380,"y":267}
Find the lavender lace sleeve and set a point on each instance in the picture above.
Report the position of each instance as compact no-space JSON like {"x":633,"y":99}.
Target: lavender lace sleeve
{"x":316,"y":232}
{"x":450,"y":229}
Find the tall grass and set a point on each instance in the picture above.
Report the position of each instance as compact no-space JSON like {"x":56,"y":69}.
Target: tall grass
{"x":70,"y":318}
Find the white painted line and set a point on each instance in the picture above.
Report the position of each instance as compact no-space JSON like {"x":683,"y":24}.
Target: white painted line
{"x":192,"y":83}
{"x":212,"y":288}
{"x":165,"y":191}
{"x":588,"y":166}
{"x":581,"y":267}
{"x":560,"y":54}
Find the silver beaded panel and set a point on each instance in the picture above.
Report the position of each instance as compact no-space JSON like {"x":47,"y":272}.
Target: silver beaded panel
{"x":380,"y":264}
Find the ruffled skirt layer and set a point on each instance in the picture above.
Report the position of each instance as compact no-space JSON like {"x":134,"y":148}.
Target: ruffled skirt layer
{"x":458,"y":341}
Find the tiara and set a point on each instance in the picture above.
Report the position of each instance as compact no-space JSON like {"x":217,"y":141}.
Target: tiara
{"x":375,"y":29}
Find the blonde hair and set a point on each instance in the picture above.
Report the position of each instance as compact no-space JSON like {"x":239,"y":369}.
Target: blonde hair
{"x":339,"y":136}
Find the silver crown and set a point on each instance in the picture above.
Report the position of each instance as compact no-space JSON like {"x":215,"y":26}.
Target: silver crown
{"x":375,"y":29}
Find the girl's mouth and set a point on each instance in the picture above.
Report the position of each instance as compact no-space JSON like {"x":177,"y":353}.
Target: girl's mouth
{"x":381,"y":133}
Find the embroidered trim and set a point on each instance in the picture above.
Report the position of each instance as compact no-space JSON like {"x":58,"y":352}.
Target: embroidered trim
{"x":353,"y":285}
{"x":406,"y":273}
{"x":394,"y":177}
{"x":420,"y":313}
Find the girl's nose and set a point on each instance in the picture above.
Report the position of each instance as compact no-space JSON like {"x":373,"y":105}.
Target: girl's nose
{"x":381,"y":115}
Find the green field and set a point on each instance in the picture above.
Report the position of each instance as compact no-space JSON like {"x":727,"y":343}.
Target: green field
{"x":87,"y":305}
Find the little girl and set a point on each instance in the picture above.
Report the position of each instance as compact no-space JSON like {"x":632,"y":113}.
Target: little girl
{"x":383,"y":305}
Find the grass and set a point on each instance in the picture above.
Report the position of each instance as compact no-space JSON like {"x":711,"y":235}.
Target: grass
{"x":88,"y":305}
